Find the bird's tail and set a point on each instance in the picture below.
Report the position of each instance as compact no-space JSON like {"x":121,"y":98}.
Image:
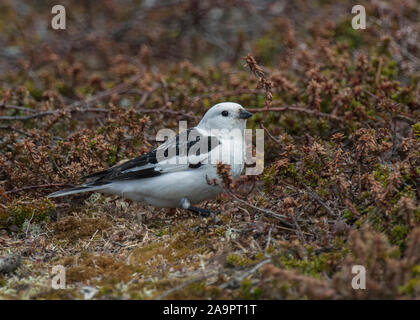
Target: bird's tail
{"x":79,"y":189}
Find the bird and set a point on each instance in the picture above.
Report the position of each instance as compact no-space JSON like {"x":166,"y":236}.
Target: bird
{"x":179,"y":172}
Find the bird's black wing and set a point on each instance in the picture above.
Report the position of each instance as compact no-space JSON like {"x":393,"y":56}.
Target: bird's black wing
{"x":148,"y":165}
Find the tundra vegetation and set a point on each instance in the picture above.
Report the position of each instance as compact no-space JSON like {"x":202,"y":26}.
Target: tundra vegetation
{"x":341,"y":113}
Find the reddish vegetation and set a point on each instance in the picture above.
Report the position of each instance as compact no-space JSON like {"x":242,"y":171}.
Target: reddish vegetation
{"x":341,"y":114}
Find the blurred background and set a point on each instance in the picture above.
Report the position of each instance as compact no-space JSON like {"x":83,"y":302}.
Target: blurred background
{"x":205,"y":32}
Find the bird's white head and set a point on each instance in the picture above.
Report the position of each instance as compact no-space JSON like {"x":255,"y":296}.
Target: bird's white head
{"x":225,"y":115}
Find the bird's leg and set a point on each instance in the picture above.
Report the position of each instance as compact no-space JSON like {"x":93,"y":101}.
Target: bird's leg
{"x":185,"y":204}
{"x":201,"y":211}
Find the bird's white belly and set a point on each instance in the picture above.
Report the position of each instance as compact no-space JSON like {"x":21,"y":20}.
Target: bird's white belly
{"x":167,"y":190}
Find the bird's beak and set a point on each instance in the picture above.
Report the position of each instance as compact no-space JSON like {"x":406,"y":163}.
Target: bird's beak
{"x":243,"y":114}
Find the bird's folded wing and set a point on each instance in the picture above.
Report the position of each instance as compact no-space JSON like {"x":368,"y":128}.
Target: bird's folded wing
{"x":185,"y":151}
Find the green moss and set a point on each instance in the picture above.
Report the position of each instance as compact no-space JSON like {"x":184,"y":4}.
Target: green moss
{"x":312,"y":264}
{"x":389,"y":69}
{"x":269,"y":177}
{"x":381,"y":174}
{"x":345,"y":33}
{"x":266,"y":49}
{"x":416,"y":271}
{"x":416,"y":130}
{"x":112,"y":155}
{"x":93,"y":143}
{"x":311,"y":178}
{"x":289,"y":171}
{"x":86,"y":91}
{"x":104,"y":269}
{"x":399,"y":234}
{"x":405,"y":96}
{"x":383,"y":48}
{"x":347,"y":215}
{"x":35,"y":93}
{"x":365,"y":195}
{"x":62,"y":88}
{"x":408,"y":192}
{"x":197,"y":288}
{"x":74,"y":229}
{"x":292,"y":124}
{"x":161,"y":232}
{"x":412,"y":286}
{"x":17,"y":213}
{"x":373,"y":215}
{"x":185,"y":246}
{"x":235,"y":260}
{"x":248,"y":291}
{"x":326,"y":105}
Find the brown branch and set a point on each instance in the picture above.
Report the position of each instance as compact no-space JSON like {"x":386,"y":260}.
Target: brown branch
{"x":262,"y":80}
{"x":297,"y":109}
{"x":15,"y":129}
{"x":266,"y":212}
{"x":227,"y":93}
{"x":235,"y":282}
{"x":185,"y":284}
{"x":269,"y":134}
{"x":166,"y":111}
{"x":38,"y":186}
{"x":28,"y":117}
{"x":119,"y":88}
{"x":74,"y":107}
{"x":85,"y":107}
{"x":401,"y":116}
{"x":314,"y":196}
{"x":13,"y":107}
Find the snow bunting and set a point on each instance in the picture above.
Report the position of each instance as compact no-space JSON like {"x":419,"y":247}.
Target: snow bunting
{"x":177,"y":173}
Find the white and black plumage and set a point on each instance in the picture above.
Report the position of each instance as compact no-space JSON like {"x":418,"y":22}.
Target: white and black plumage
{"x":177,"y":173}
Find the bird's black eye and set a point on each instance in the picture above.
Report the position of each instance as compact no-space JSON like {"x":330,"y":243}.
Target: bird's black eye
{"x":225,"y":113}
